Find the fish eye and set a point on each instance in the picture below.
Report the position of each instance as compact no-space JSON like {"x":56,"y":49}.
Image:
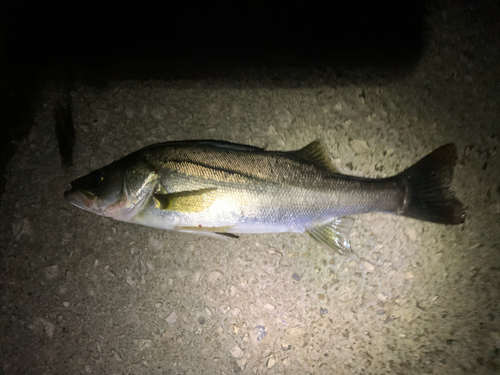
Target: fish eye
{"x":95,"y":178}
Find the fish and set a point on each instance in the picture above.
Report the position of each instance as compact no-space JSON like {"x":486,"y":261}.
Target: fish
{"x":222,"y":189}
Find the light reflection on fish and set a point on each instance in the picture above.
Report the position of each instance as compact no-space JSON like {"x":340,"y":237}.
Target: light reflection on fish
{"x":221,"y":188}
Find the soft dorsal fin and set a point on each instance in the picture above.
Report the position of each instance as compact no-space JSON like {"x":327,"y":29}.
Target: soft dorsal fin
{"x":314,"y":153}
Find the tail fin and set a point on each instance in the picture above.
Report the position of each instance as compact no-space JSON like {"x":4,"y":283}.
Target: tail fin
{"x":428,"y":196}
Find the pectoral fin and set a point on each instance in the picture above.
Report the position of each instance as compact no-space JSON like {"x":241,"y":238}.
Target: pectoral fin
{"x":334,"y":234}
{"x":187,"y":201}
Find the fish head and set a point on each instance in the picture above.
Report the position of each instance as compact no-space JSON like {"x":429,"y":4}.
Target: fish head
{"x":117,"y":190}
{"x":100,"y":191}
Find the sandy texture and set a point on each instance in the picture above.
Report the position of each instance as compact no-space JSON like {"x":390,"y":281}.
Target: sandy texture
{"x":84,"y":294}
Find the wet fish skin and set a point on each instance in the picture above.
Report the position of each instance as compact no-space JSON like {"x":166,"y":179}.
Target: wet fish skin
{"x":215,"y":187}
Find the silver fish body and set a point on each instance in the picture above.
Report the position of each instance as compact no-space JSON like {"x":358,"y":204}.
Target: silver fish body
{"x":221,"y":188}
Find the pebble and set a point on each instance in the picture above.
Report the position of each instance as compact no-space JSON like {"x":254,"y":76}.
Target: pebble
{"x":214,"y":276}
{"x":410,"y":274}
{"x":268,"y":307}
{"x":208,"y":311}
{"x":296,"y":277}
{"x":235,"y":311}
{"x":261,"y":332}
{"x":323,"y":311}
{"x":285,"y":362}
{"x":130,"y":280}
{"x":48,"y":327}
{"x":241,"y":362}
{"x":412,"y":234}
{"x":285,"y":346}
{"x":359,"y":146}
{"x":382,"y":297}
{"x":236,"y":351}
{"x":196,"y":277}
{"x":171,"y":319}
{"x":66,"y":304}
{"x":232,"y":290}
{"x":368,"y":266}
{"x":51,"y":272}
{"x":158,"y":305}
{"x":271,"y":362}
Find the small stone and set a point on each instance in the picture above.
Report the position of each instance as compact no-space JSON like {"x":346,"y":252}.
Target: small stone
{"x":235,"y":328}
{"x":232,"y":290}
{"x":51,"y":272}
{"x":236,"y":351}
{"x":117,"y":356}
{"x":271,"y":362}
{"x":261,"y":332}
{"x":241,"y":362}
{"x":66,"y":304}
{"x":196,"y":277}
{"x":323,"y":311}
{"x":48,"y":327}
{"x":285,"y":362}
{"x":359,"y":146}
{"x":171,"y":319}
{"x":285,"y":346}
{"x":412,"y":234}
{"x":381,"y":312}
{"x":296,"y":277}
{"x":368,"y":266}
{"x":142,"y":343}
{"x":208,"y":311}
{"x":129,"y":113}
{"x":382,"y":297}
{"x":235,"y":311}
{"x":214,"y":276}
{"x":410,"y":274}
{"x":201,"y":320}
{"x":268,"y":307}
{"x":130,"y":280}
{"x":158,"y":305}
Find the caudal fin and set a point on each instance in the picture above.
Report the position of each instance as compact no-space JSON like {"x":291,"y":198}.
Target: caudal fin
{"x":428,"y":194}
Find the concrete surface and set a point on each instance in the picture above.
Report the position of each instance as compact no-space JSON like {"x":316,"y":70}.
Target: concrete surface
{"x":85,"y":294}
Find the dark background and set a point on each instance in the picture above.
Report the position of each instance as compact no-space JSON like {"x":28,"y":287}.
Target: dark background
{"x":191,"y":39}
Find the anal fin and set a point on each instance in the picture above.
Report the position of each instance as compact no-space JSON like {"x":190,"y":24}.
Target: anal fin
{"x":334,"y":234}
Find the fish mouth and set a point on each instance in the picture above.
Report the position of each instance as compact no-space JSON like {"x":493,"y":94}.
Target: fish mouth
{"x":81,"y":199}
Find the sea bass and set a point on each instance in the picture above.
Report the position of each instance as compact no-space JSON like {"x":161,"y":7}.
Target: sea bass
{"x":219,"y":188}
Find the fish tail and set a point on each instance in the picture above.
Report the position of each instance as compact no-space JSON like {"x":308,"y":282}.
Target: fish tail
{"x":428,"y":196}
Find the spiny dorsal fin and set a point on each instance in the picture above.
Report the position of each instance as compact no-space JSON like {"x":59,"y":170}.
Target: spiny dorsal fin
{"x":314,"y":153}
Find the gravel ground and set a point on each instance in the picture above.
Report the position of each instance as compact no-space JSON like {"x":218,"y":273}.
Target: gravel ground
{"x":86,"y":294}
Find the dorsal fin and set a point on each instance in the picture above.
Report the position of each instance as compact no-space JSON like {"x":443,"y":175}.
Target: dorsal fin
{"x":314,"y":153}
